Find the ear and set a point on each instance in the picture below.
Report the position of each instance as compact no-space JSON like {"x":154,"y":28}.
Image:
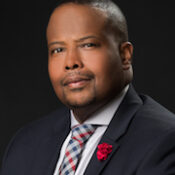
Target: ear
{"x":126,"y":51}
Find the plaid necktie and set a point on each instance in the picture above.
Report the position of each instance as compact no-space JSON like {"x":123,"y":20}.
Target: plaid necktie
{"x":80,"y":135}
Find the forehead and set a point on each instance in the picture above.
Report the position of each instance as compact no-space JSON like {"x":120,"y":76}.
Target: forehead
{"x":75,"y":19}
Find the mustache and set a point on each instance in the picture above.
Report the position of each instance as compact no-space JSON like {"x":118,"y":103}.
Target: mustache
{"x":76,"y":76}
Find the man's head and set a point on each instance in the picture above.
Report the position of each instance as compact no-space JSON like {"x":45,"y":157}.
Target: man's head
{"x":89,"y":54}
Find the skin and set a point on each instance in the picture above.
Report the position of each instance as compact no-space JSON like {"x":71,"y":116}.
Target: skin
{"x":87,"y":67}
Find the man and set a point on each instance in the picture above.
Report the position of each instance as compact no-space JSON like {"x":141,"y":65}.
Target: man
{"x":91,"y":72}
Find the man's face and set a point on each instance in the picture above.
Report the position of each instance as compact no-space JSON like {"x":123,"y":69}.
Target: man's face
{"x":84,"y":62}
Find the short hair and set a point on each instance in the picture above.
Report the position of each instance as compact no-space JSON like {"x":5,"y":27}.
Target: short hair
{"x":115,"y":17}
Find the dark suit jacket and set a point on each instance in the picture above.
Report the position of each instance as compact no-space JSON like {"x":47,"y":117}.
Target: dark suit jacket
{"x":142,"y":133}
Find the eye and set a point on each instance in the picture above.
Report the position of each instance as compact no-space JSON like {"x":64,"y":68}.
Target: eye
{"x":57,"y":50}
{"x":88,"y":45}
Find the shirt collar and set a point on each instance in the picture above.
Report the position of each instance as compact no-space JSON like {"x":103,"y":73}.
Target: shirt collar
{"x":105,"y":114}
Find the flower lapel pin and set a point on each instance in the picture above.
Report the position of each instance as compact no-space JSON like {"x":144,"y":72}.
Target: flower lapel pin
{"x":104,"y":150}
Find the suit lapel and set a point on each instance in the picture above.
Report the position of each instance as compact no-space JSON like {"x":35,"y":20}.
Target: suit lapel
{"x":49,"y":148}
{"x":58,"y":140}
{"x":116,"y":129}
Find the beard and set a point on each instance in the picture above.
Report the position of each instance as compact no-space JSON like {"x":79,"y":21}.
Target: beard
{"x":79,"y":98}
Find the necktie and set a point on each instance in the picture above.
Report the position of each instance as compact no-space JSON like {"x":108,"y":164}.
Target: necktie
{"x":80,"y":135}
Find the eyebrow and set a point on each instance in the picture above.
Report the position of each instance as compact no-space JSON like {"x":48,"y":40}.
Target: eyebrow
{"x":87,"y":37}
{"x":79,"y":40}
{"x":56,"y":42}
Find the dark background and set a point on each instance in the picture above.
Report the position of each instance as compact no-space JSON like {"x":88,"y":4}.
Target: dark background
{"x":25,"y":90}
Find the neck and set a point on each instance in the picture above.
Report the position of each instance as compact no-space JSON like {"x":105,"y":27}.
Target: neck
{"x":83,"y":113}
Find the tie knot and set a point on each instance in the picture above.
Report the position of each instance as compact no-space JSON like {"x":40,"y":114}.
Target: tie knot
{"x":82,"y":132}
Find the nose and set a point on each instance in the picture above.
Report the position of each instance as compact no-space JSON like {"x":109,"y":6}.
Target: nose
{"x":73,"y":60}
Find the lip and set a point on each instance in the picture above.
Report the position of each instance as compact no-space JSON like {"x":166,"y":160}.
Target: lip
{"x":76,"y":81}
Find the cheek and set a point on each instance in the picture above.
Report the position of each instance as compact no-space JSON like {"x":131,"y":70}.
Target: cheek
{"x":107,"y":71}
{"x":54,"y":69}
{"x":103,"y":66}
{"x":55,"y":75}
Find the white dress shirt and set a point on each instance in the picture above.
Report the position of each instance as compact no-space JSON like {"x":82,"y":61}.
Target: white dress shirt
{"x":101,"y":118}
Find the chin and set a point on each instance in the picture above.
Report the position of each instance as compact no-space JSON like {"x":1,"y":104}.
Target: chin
{"x":79,"y":102}
{"x":78,"y":99}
